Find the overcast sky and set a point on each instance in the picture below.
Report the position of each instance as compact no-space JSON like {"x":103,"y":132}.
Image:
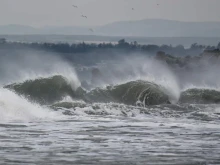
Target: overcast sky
{"x":61,"y":13}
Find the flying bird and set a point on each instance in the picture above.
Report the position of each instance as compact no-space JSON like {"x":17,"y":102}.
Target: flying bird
{"x":132,"y":8}
{"x":91,"y":30}
{"x":75,"y":6}
{"x":83,"y":16}
{"x":157,"y":4}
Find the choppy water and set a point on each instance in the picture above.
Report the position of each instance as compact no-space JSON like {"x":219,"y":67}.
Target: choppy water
{"x":108,"y":133}
{"x":111,"y":140}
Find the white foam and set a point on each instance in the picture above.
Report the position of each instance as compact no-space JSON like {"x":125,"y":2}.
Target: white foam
{"x":16,"y":108}
{"x":105,"y":109}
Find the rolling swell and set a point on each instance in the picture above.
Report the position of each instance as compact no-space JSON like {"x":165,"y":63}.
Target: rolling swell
{"x":51,"y":90}
{"x":139,"y":93}
{"x":200,"y":96}
{"x":45,"y":90}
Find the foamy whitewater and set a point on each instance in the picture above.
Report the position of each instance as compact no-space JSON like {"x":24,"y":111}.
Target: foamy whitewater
{"x":130,"y":111}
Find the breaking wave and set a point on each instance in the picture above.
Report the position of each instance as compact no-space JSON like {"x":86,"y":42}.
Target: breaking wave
{"x":137,"y":89}
{"x":17,"y":108}
{"x":200,"y":96}
{"x":141,"y":93}
{"x":54,"y":97}
{"x":45,"y":90}
{"x":50,"y":90}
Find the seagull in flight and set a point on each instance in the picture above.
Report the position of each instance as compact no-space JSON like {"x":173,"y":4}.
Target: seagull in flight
{"x":83,"y":16}
{"x":75,"y":6}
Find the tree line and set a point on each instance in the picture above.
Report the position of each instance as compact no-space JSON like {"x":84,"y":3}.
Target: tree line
{"x":83,"y":47}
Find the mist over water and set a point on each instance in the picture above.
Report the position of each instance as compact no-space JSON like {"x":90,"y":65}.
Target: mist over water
{"x":29,"y":65}
{"x":199,"y":74}
{"x":33,"y":65}
{"x":26,"y":66}
{"x":140,"y":67}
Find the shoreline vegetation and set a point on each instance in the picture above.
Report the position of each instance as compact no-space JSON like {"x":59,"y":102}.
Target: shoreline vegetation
{"x":81,"y":52}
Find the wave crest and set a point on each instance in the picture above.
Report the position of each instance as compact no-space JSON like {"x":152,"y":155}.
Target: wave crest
{"x":200,"y":96}
{"x":45,"y":90}
{"x":139,"y":92}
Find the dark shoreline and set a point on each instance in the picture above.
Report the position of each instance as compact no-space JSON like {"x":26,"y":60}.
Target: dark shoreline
{"x":91,"y":53}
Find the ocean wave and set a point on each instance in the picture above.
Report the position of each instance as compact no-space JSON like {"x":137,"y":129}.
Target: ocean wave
{"x":50,"y":90}
{"x":45,"y":90}
{"x":141,"y":93}
{"x":132,"y":99}
{"x":16,"y":108}
{"x":200,"y":96}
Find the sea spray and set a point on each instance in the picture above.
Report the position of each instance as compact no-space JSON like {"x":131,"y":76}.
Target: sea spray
{"x":31,"y":65}
{"x":17,"y":108}
{"x":137,"y":67}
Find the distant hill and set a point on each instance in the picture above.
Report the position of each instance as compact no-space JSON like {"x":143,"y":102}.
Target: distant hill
{"x":143,"y":28}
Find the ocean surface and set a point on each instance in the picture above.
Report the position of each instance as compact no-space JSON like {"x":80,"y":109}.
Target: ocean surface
{"x":135,"y":111}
